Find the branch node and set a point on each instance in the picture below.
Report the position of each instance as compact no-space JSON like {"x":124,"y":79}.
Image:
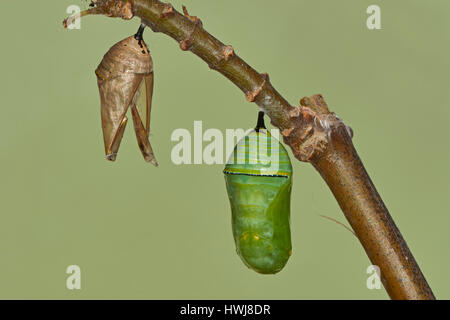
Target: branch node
{"x":306,"y":142}
{"x":227,"y":52}
{"x":287,"y":132}
{"x":316,"y":103}
{"x":251,"y":95}
{"x":294,"y":112}
{"x":307,"y":114}
{"x":167,"y":11}
{"x":187,"y":43}
{"x":307,"y":133}
{"x":117,"y":9}
{"x":192,"y":18}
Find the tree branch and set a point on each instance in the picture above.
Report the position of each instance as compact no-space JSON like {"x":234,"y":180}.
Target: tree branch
{"x":314,"y":134}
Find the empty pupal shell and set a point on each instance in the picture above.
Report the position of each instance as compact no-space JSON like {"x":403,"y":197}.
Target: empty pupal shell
{"x":125,"y":80}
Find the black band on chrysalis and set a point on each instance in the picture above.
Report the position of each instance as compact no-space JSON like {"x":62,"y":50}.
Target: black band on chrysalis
{"x":260,"y":124}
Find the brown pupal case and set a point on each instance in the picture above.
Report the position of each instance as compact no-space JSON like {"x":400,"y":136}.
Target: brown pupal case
{"x":125,"y":80}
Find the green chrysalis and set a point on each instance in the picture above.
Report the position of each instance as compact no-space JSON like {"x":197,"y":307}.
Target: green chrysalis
{"x":258,"y":177}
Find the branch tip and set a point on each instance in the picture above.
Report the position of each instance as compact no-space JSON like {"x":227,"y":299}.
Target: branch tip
{"x":72,"y":19}
{"x":110,"y":8}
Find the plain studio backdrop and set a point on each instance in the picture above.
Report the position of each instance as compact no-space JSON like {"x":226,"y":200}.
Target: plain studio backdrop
{"x":142,"y":232}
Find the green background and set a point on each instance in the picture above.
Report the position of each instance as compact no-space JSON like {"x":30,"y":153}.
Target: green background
{"x":140,"y":232}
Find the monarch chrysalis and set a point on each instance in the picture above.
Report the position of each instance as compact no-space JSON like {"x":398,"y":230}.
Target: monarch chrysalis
{"x":125,"y":79}
{"x":259,"y":191}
